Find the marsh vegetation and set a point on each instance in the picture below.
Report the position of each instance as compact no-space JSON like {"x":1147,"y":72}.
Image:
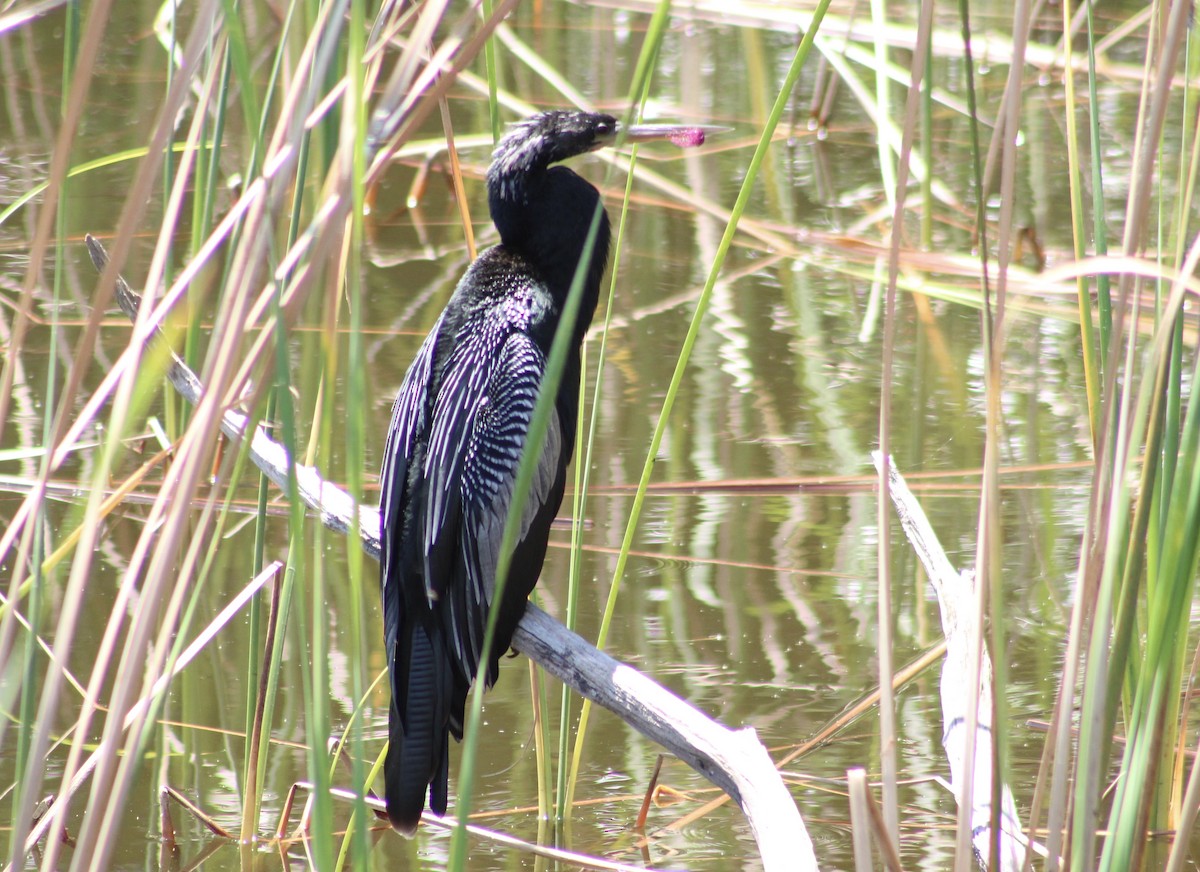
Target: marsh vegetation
{"x":296,"y":188}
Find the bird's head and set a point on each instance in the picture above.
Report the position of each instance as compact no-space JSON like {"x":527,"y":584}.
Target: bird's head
{"x":533,"y":144}
{"x":541,"y":208}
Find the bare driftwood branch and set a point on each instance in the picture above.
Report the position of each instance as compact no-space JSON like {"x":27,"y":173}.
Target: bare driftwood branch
{"x":955,"y":591}
{"x":734,"y":760}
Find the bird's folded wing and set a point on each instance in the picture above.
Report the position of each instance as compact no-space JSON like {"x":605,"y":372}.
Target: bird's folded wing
{"x":408,"y":421}
{"x":480,"y":423}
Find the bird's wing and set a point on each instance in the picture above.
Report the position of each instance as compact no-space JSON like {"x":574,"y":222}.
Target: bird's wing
{"x":408,"y":421}
{"x":480,"y":422}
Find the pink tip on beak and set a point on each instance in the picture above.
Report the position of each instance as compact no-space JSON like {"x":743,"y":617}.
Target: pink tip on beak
{"x":688,"y":137}
{"x":684,"y":136}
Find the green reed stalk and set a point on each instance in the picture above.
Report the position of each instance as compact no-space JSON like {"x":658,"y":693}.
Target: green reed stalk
{"x":1091,"y":356}
{"x":1169,"y":591}
{"x":1096,"y":353}
{"x":260,"y":689}
{"x":208,"y":182}
{"x":530,"y":455}
{"x":255,"y":771}
{"x":239,"y":55}
{"x":34,"y":193}
{"x":1172,"y":452}
{"x":1099,"y":208}
{"x":566,"y":783}
{"x":317,"y":680}
{"x":539,"y":693}
{"x":534,"y":443}
{"x":493,"y":80}
{"x":583,"y":467}
{"x":27,"y":709}
{"x":689,"y":342}
{"x":926,"y":139}
{"x":208,"y":170}
{"x":356,"y":406}
{"x":251,"y":778}
{"x":268,"y":685}
{"x":883,"y":90}
{"x":349,"y":851}
{"x":1163,"y":501}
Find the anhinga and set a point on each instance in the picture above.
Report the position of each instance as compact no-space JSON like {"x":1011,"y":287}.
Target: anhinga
{"x":458,"y":430}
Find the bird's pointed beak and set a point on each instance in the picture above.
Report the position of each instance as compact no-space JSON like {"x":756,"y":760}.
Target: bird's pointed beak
{"x":682,"y":135}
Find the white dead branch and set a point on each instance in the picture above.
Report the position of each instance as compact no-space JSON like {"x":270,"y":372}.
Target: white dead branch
{"x":955,"y":594}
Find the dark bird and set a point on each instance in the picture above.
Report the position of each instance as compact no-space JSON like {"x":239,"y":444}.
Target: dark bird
{"x":458,"y":429}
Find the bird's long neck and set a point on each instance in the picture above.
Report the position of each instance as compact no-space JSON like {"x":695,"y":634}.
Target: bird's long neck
{"x":546,"y":216}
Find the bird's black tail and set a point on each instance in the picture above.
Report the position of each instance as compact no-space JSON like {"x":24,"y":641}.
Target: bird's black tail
{"x":418,"y":756}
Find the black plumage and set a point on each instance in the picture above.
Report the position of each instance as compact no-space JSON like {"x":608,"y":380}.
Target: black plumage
{"x":457,"y":433}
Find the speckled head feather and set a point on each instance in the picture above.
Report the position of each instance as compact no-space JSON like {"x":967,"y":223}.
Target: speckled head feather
{"x":541,"y":140}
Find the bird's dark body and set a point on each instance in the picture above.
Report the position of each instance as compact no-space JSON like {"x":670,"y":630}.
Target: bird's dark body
{"x":458,"y":430}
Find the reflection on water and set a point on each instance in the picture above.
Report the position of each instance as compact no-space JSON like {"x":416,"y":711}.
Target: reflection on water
{"x":756,"y":604}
